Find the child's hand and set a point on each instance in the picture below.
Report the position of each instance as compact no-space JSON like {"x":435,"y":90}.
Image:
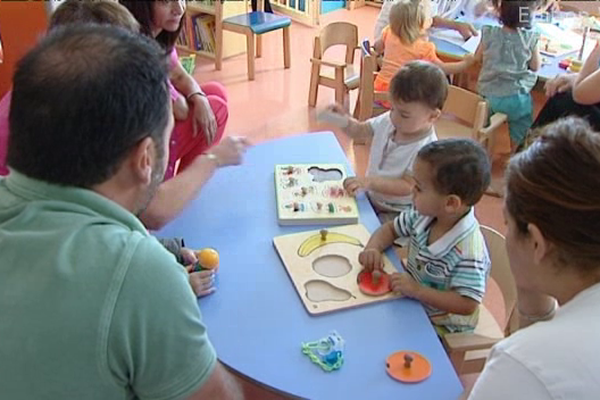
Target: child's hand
{"x":354,"y":184}
{"x":466,"y":30}
{"x":202,"y":282}
{"x":405,"y":284}
{"x":371,"y":259}
{"x":469,"y":59}
{"x":337,"y":109}
{"x":188,"y":256}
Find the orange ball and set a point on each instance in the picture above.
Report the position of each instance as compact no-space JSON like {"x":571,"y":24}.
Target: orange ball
{"x":208,"y":258}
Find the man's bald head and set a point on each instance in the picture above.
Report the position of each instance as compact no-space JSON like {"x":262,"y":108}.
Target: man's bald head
{"x":82,"y":99}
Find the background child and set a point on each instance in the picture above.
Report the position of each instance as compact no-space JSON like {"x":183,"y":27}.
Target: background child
{"x":509,"y":55}
{"x":405,"y":40}
{"x":417,"y":94}
{"x":448,"y":261}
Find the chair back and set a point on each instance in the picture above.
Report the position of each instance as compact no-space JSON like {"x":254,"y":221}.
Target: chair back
{"x":337,"y":33}
{"x":366,"y":87}
{"x":502,"y":275}
{"x":467,"y":106}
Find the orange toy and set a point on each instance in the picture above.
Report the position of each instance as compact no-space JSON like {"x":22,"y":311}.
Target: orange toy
{"x":408,"y":367}
{"x":208,"y":258}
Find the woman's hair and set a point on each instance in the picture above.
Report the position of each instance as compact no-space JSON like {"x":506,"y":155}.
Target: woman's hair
{"x":555,"y":185}
{"x":143,"y":11}
{"x":407,"y":19}
{"x":94,"y":11}
{"x":517,"y":13}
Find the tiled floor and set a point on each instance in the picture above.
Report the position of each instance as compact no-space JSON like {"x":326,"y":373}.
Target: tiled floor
{"x":276,"y":104}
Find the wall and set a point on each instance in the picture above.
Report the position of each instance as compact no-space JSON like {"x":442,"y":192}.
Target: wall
{"x":21,"y":24}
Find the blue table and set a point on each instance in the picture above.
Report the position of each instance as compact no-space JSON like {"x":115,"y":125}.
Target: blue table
{"x":256,"y":319}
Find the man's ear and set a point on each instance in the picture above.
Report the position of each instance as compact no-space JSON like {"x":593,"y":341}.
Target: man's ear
{"x":540,"y":244}
{"x":435,"y":115}
{"x":453,"y":203}
{"x":142,"y":160}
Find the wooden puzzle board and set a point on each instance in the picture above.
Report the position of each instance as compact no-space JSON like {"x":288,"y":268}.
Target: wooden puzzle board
{"x":306,"y":258}
{"x":312,"y":194}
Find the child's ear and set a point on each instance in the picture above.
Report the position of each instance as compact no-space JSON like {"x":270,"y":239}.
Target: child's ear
{"x":435,"y":115}
{"x":453,"y":203}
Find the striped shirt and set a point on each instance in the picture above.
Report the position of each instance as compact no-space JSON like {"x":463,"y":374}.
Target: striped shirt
{"x":457,"y":261}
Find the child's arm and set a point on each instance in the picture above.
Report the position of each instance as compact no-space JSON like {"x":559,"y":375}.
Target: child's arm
{"x":464,"y":28}
{"x":371,"y":257}
{"x":452,"y":68}
{"x":536,"y":60}
{"x":389,"y":186}
{"x":379,"y":47}
{"x":357,"y":130}
{"x":448,"y":301}
{"x":585,"y":89}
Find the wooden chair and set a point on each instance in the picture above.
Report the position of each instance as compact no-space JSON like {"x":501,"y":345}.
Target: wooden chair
{"x":465,"y":115}
{"x":253,"y":25}
{"x":468,"y":351}
{"x":366,"y":106}
{"x":340,"y":76}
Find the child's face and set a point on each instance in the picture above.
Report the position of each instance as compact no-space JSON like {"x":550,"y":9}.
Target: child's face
{"x":426,"y":199}
{"x":167,"y":14}
{"x":412,"y":117}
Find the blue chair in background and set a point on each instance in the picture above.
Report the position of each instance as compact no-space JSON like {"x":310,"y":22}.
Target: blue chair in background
{"x":253,"y":25}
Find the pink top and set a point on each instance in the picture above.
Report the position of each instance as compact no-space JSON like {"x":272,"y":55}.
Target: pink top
{"x":4,"y":110}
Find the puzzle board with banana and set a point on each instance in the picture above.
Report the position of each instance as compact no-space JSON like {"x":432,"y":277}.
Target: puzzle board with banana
{"x":323,"y":267}
{"x":313,"y":194}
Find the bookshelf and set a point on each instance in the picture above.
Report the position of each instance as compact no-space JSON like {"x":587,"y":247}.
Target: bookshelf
{"x":202,"y":19}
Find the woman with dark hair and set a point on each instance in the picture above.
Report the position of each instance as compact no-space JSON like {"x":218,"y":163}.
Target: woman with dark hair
{"x":200,"y":110}
{"x":552,"y":210}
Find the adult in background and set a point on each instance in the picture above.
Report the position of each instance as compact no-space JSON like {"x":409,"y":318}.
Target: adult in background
{"x":93,"y":306}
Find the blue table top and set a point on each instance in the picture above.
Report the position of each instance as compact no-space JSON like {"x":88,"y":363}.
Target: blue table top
{"x":452,"y":50}
{"x":256,"y":319}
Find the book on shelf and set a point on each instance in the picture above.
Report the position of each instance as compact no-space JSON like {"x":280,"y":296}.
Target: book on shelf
{"x":203,"y":33}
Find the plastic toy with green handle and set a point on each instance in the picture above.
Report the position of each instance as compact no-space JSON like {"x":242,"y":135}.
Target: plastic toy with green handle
{"x":326,"y":352}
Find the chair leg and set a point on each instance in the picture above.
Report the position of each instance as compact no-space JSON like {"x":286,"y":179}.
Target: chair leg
{"x":340,"y":89}
{"x":314,"y":85}
{"x":219,"y":49}
{"x":250,"y":54}
{"x":258,"y":46}
{"x":287,"y":62}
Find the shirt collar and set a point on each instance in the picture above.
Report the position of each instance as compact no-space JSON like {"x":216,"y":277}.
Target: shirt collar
{"x":35,"y":190}
{"x":459,"y":231}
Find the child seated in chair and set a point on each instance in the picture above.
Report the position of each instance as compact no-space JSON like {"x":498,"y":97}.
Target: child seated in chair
{"x":417,"y":94}
{"x":448,"y":262}
{"x":404,"y":40}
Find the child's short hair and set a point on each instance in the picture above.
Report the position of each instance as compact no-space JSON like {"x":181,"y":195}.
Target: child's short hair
{"x":94,"y":11}
{"x":517,"y":13}
{"x":407,"y":19}
{"x":461,"y":167}
{"x":422,"y":82}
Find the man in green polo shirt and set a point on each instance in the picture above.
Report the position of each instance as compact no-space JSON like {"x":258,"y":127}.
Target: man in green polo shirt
{"x":91,"y":305}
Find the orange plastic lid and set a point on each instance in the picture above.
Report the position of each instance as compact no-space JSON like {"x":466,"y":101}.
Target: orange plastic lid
{"x":408,"y":367}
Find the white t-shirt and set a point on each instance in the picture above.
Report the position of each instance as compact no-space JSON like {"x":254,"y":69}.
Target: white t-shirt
{"x":448,"y":9}
{"x":557,"y":359}
{"x":391,"y":159}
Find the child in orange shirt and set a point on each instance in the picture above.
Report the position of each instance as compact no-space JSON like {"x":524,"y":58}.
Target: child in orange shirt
{"x":404,"y":40}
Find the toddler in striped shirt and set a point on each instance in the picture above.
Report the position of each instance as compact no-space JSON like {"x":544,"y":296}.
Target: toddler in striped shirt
{"x":448,"y":262}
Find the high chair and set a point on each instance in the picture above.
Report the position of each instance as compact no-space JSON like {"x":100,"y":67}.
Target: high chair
{"x":465,"y":116}
{"x":468,"y":351}
{"x":340,"y":76}
{"x":253,"y":25}
{"x":367,"y":103}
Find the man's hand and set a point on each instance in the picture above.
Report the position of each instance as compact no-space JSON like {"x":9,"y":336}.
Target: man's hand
{"x":230,"y":150}
{"x":354,"y":184}
{"x":405,"y":284}
{"x":560,"y":84}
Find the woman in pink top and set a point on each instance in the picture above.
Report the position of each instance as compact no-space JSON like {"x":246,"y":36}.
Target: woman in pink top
{"x":200,"y":110}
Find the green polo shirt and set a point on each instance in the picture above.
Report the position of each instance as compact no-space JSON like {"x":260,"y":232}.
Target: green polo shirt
{"x":91,"y":305}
